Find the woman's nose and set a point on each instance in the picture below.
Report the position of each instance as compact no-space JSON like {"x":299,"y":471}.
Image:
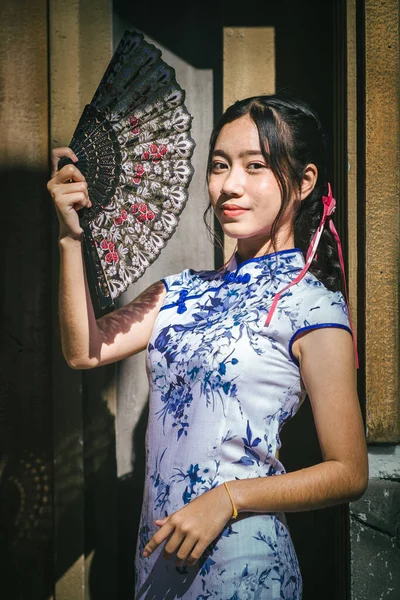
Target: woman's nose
{"x":232,"y":184}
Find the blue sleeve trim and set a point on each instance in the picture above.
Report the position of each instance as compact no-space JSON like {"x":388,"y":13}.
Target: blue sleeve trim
{"x":309,"y":328}
{"x":166,"y":284}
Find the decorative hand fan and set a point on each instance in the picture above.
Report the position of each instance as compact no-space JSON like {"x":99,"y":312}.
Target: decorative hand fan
{"x":134,"y":149}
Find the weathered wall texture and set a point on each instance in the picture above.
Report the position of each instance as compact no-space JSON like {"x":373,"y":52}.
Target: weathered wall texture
{"x":375,"y":530}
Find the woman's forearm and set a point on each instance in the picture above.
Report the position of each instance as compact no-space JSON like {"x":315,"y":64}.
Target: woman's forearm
{"x":80,"y":336}
{"x":325,"y":484}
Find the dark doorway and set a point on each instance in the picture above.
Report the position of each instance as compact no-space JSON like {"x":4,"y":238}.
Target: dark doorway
{"x":310,"y":43}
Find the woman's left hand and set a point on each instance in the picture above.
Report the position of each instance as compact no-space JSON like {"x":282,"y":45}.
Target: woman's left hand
{"x":192,"y":528}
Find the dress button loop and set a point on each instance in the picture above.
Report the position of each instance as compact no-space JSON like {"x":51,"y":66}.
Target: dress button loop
{"x":230,"y":278}
{"x":181,"y":301}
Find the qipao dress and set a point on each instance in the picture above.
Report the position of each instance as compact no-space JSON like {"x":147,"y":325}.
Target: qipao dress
{"x":222,"y":385}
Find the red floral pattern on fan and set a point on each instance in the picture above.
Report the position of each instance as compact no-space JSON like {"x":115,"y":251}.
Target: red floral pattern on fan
{"x":143,"y":212}
{"x":140,"y":170}
{"x":112,"y":257}
{"x":119,"y":220}
{"x":157,"y":158}
{"x":134,"y":121}
{"x":155,"y":153}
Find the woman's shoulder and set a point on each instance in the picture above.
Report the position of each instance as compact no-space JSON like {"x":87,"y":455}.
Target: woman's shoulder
{"x":316,"y":304}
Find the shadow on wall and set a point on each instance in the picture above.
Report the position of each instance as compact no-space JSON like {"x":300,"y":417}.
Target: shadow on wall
{"x":125,"y":501}
{"x":26,"y":452}
{"x":318,"y":535}
{"x":58,"y":483}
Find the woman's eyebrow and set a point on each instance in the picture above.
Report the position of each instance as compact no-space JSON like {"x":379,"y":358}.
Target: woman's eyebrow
{"x":218,"y":152}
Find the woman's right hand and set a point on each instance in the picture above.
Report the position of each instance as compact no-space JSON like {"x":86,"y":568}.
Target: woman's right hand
{"x":69,"y":191}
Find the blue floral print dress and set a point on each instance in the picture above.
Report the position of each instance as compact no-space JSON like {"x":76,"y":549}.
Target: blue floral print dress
{"x":222,"y":386}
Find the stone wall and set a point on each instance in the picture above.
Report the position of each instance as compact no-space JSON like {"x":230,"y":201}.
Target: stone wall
{"x":375,"y":529}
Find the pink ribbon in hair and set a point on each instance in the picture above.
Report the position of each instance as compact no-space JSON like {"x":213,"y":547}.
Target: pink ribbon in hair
{"x":329,"y":203}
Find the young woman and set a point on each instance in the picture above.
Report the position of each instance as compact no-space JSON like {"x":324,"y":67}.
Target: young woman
{"x":231,"y":356}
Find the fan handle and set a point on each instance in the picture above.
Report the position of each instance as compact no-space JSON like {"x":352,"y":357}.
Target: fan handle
{"x":93,"y":265}
{"x":66,"y":160}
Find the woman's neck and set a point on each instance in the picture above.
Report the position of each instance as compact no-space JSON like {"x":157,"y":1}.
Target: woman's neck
{"x":253,"y":248}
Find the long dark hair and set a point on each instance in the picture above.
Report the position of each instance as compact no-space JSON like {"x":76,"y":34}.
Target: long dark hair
{"x":291,"y":137}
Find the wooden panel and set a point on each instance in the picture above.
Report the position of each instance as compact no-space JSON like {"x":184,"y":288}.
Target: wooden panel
{"x":382,"y":219}
{"x":352,"y":253}
{"x":84,"y":403}
{"x":249,"y":70}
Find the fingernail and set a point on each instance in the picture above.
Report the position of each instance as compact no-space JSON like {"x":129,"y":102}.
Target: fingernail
{"x":145,"y":553}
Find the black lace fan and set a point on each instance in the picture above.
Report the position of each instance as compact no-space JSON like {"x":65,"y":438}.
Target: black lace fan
{"x":134,"y":148}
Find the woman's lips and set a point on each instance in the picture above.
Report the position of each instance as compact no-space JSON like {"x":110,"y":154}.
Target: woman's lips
{"x":233,"y":211}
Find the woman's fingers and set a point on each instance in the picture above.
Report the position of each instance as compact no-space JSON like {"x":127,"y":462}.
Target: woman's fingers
{"x":181,"y":543}
{"x":68,"y":173}
{"x":65,"y":194}
{"x":78,"y":201}
{"x":158,"y":538}
{"x":58,"y":153}
{"x":196,"y":553}
{"x":69,"y":191}
{"x":183,"y":552}
{"x":173,"y":544}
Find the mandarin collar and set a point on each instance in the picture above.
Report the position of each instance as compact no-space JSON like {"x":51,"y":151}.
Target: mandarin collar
{"x":284,"y":260}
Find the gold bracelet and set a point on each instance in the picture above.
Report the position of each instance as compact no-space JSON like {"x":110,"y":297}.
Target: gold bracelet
{"x":234,"y":509}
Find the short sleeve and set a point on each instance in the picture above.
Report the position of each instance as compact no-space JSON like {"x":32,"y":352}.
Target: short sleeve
{"x":317,"y":311}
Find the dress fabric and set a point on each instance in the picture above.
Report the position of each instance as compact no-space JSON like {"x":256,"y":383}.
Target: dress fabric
{"x":222,"y":385}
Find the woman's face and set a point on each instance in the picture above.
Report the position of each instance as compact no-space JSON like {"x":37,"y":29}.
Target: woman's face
{"x":243,"y":191}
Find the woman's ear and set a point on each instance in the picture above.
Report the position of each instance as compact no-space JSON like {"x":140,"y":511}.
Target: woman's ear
{"x":309,"y":180}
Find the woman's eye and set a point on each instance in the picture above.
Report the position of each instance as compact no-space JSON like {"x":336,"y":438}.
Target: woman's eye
{"x":256,"y":166}
{"x":218,"y":166}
